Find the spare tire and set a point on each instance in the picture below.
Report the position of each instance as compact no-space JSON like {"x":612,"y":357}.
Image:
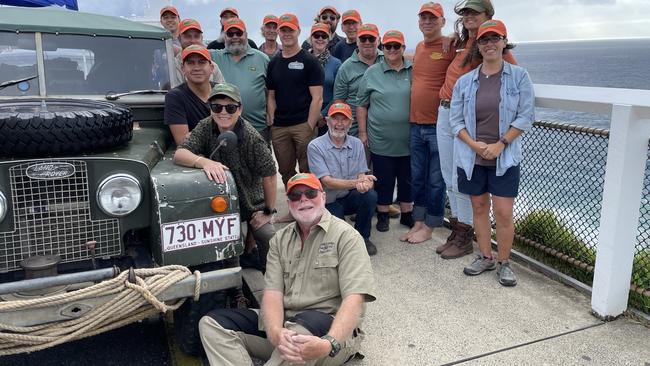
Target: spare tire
{"x":54,"y":127}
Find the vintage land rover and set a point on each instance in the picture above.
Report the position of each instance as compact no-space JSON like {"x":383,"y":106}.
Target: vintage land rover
{"x":87,"y":183}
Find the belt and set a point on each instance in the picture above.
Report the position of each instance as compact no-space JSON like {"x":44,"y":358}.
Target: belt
{"x":445,"y":103}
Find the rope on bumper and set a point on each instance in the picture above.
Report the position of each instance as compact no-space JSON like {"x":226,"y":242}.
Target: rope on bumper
{"x":133,"y":299}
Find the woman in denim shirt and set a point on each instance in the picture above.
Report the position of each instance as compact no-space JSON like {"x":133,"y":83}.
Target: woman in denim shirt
{"x":320,"y":37}
{"x":490,"y":108}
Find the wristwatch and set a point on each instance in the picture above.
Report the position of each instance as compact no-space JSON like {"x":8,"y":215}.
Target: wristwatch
{"x":336,"y":347}
{"x":269,"y":211}
{"x":504,"y":141}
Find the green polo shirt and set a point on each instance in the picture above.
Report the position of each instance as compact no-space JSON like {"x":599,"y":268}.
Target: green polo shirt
{"x":249,"y":74}
{"x":387,"y":95}
{"x":347,"y":81}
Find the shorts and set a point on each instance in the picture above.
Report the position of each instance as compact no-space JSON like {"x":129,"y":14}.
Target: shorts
{"x":485,"y":180}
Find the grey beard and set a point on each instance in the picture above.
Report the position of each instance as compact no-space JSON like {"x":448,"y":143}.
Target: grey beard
{"x":237,"y":49}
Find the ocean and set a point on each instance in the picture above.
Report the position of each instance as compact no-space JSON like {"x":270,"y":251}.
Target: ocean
{"x":600,"y":63}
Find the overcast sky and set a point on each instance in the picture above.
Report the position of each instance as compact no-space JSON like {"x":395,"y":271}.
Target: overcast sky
{"x":527,"y":20}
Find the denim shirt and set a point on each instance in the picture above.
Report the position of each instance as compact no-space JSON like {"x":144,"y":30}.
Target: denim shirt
{"x":331,"y":68}
{"x":516,"y":109}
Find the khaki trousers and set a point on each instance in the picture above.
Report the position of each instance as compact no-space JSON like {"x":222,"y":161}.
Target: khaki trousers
{"x":290,"y":144}
{"x":225,"y":347}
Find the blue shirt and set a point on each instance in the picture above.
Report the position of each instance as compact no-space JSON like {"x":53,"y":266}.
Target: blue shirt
{"x":345,"y":162}
{"x":516,"y":109}
{"x":331,"y":68}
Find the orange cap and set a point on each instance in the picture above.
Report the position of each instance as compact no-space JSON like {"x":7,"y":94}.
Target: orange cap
{"x":393,"y":36}
{"x":307,"y":179}
{"x":342,"y":108}
{"x":187,"y":24}
{"x":330,"y":8}
{"x":234,"y":23}
{"x":270,"y":19}
{"x":196,"y":49}
{"x":433,"y":8}
{"x":289,"y":20}
{"x":170,"y":9}
{"x":351,"y":15}
{"x":320,"y":27}
{"x":232,"y":10}
{"x":492,"y":25}
{"x":368,"y":29}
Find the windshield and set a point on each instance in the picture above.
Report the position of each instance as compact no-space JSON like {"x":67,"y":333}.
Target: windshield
{"x":18,"y":61}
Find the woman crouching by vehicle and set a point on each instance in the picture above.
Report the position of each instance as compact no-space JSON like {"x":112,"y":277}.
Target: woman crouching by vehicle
{"x":491,"y":107}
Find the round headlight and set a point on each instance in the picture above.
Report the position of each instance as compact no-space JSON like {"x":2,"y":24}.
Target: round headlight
{"x":3,"y":206}
{"x":119,"y":195}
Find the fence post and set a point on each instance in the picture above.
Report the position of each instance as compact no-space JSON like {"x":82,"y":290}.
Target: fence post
{"x":619,"y":218}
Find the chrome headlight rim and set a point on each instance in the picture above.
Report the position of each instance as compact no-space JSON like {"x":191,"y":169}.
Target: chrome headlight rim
{"x":107,"y":180}
{"x":3,"y":206}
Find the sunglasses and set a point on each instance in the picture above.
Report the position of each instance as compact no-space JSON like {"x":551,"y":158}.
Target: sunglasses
{"x":295,"y":196}
{"x":330,"y":17}
{"x":236,"y":33}
{"x":230,"y":108}
{"x":392,"y":46}
{"x":320,"y":35}
{"x":489,"y":39}
{"x":365,"y":39}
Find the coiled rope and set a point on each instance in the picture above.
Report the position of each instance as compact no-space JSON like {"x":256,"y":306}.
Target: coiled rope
{"x":133,"y":299}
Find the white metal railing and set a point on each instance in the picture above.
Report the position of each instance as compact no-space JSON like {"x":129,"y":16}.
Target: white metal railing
{"x":626,"y":160}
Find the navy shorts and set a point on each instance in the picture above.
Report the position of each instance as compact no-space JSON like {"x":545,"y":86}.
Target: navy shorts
{"x":485,"y":180}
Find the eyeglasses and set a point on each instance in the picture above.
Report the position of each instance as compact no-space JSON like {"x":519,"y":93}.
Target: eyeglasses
{"x":230,"y":108}
{"x":489,"y":39}
{"x":330,"y":17}
{"x":320,"y":35}
{"x":469,"y":12}
{"x":295,"y":196}
{"x":392,"y":46}
{"x":370,"y":39}
{"x":236,"y":33}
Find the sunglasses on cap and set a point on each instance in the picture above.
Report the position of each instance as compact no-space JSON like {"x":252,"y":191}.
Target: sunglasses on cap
{"x":295,"y":196}
{"x":320,"y":35}
{"x":365,"y":39}
{"x":489,"y":39}
{"x":330,"y":17}
{"x":235,"y":33}
{"x":230,"y":108}
{"x":392,"y":46}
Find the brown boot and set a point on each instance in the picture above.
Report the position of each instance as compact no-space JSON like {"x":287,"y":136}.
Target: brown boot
{"x":450,"y":239}
{"x":462,"y":243}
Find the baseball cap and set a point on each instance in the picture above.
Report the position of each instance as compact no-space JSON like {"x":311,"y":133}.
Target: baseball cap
{"x":492,"y":25}
{"x":433,"y":8}
{"x":234,"y":23}
{"x":170,"y":9}
{"x":393,"y":36}
{"x":270,"y":19}
{"x":351,"y":15}
{"x":187,"y":24}
{"x":330,"y":8}
{"x":368,"y":29}
{"x":342,"y":108}
{"x":196,"y":49}
{"x":232,"y":10}
{"x":320,"y":27}
{"x":478,"y":5}
{"x":226,"y":89}
{"x":307,"y":179}
{"x":289,"y":20}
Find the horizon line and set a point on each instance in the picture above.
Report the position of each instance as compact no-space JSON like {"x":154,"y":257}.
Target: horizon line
{"x":583,"y":39}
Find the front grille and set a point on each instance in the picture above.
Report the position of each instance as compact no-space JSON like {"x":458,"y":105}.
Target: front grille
{"x":52,"y":216}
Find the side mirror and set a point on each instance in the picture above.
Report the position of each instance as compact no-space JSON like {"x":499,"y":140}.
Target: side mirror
{"x":226,"y":141}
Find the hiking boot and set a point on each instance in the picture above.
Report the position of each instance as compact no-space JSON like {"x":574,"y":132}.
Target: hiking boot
{"x":393,"y":211}
{"x":382,"y":221}
{"x":462,"y":242}
{"x":406,"y":219}
{"x":480,"y":265}
{"x":506,"y":275}
{"x":370,"y":247}
{"x":450,"y":239}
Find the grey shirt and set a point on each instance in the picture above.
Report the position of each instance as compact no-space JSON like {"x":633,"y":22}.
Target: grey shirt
{"x":487,"y":113}
{"x":346,"y":162}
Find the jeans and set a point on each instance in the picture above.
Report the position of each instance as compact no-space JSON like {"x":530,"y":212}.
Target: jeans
{"x":461,"y":206}
{"x":361,"y":204}
{"x":427,"y":184}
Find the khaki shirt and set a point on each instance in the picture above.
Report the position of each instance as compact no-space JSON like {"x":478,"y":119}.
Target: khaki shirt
{"x":332,"y":264}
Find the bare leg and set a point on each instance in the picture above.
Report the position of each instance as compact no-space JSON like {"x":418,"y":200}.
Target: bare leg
{"x":482,"y":228}
{"x":503,"y":207}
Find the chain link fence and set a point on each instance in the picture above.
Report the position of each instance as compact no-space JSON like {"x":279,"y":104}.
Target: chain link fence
{"x":557,"y":211}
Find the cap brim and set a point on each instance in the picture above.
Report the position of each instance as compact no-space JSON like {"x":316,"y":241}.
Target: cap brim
{"x":192,"y":27}
{"x":170,"y":11}
{"x":491,"y":30}
{"x":225,"y":94}
{"x":345,"y":113}
{"x":237,"y":26}
{"x":368,"y":33}
{"x":288,"y":25}
{"x":309,"y":184}
{"x":351,"y":18}
{"x":196,"y":53}
{"x":393,"y":40}
{"x":474,"y":7}
{"x":432,"y":12}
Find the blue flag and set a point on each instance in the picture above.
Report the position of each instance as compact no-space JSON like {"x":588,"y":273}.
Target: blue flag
{"x":70,"y":4}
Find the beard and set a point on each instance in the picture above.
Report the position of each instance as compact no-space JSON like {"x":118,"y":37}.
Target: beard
{"x":237,"y":49}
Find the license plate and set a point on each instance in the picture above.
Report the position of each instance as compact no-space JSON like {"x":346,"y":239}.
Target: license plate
{"x":193,"y":233}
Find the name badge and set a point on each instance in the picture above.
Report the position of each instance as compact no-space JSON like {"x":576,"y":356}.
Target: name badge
{"x":296,"y":65}
{"x":252,"y":68}
{"x":436,"y":55}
